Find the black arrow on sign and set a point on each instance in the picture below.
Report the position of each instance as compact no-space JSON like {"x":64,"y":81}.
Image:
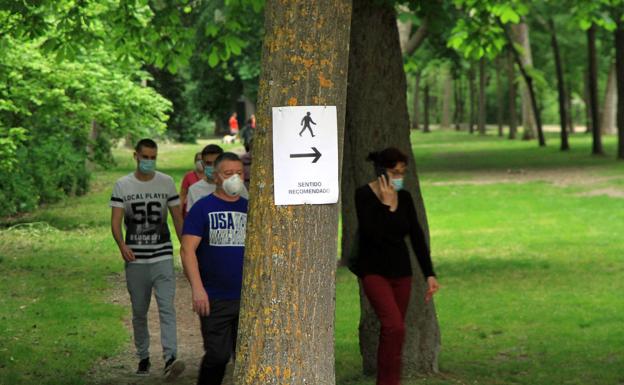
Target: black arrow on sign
{"x":316,"y":155}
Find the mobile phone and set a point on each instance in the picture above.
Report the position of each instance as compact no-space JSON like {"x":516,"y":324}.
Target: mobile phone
{"x":380,"y":170}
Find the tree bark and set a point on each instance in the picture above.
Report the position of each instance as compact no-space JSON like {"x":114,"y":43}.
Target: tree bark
{"x":521,"y":34}
{"x":377,"y":118}
{"x":417,"y":38}
{"x":458,"y":101}
{"x":472,"y":96}
{"x":523,"y":62}
{"x":481,"y":119}
{"x":593,"y":90}
{"x":569,"y":111}
{"x":286,"y":328}
{"x":415,"y":116}
{"x":511,"y":77}
{"x":588,"y":113}
{"x":500,"y":105}
{"x":427,"y":103}
{"x":446,"y":100}
{"x":560,"y":85}
{"x":609,"y":109}
{"x":619,"y":64}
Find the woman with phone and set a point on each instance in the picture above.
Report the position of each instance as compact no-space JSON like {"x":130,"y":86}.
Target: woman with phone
{"x":386,"y":215}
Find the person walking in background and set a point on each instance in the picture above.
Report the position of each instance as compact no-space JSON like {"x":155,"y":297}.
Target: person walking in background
{"x":191,"y":178}
{"x":386,"y":215}
{"x":141,"y":199}
{"x":233,"y":123}
{"x":213,"y":245}
{"x":207,"y":185}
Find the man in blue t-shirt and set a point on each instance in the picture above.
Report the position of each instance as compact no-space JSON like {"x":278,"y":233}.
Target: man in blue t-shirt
{"x":213,"y":244}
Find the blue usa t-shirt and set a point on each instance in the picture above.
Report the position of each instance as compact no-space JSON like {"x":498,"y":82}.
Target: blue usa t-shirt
{"x":221,"y":225}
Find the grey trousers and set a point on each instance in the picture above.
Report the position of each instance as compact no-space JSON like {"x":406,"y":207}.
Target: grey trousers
{"x":141,"y":279}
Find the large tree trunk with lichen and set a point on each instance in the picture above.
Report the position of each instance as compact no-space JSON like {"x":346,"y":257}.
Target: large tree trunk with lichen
{"x":286,"y":328}
{"x":377,"y":118}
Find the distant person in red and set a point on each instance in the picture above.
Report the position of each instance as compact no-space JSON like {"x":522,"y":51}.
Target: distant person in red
{"x":191,"y":178}
{"x":233,"y":122}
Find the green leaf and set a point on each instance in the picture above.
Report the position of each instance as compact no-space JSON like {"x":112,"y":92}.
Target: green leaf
{"x":213,"y":59}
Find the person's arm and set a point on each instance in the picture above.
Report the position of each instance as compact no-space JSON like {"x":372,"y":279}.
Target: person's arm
{"x":312,"y":121}
{"x":178,"y":220}
{"x":423,"y":253}
{"x":201,"y":305}
{"x":184,"y":187}
{"x":117,"y":215}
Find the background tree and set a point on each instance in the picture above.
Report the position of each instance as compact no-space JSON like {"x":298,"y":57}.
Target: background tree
{"x":376,"y":118}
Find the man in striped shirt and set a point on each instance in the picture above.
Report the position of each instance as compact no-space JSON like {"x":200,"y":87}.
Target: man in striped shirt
{"x":141,"y":199}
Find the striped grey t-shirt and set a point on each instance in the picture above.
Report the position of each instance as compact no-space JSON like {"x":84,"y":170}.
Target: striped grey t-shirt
{"x":145,"y":207}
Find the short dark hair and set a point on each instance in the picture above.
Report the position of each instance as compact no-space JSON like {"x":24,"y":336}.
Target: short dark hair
{"x":212,"y":149}
{"x":226,"y":156}
{"x":387,"y":158}
{"x":146,"y":142}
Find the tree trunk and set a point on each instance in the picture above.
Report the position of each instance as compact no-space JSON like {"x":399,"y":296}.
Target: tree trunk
{"x":619,"y":64}
{"x":560,"y":85}
{"x":511,"y":76}
{"x":377,"y":118}
{"x":481,"y":119}
{"x":609,"y":110}
{"x":593,"y":90}
{"x":523,"y":63}
{"x":472,"y":92}
{"x":521,"y":34}
{"x":415,"y":123}
{"x":286,"y":328}
{"x":588,"y":113}
{"x":500,"y":106}
{"x":569,"y":111}
{"x":457,"y":89}
{"x":446,"y":100}
{"x":427,"y":103}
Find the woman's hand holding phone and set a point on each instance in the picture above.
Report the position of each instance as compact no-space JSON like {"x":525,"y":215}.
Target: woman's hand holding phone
{"x":388,"y":195}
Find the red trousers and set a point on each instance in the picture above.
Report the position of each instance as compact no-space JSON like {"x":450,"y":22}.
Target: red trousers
{"x":389,"y":298}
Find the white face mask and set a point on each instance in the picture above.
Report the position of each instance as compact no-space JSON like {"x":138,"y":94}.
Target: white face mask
{"x":233,"y":185}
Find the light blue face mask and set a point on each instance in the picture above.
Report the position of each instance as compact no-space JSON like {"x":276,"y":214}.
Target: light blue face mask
{"x":147,"y":166}
{"x":397,"y":183}
{"x":208,"y":170}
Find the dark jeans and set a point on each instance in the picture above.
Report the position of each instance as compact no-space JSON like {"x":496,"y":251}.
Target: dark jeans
{"x":219,"y":330}
{"x":389,"y":297}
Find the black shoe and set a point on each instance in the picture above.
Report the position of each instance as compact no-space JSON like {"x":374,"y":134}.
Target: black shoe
{"x":144,"y":367}
{"x":173,"y":368}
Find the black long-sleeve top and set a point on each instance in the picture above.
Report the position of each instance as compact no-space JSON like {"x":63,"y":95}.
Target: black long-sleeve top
{"x":382,"y":249}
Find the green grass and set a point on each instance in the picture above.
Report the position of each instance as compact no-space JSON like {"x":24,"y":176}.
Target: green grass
{"x":531,"y":271}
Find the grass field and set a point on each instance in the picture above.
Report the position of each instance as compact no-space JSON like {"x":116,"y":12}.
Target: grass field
{"x":526,"y":243}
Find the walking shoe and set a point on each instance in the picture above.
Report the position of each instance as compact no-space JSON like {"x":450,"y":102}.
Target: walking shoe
{"x":173,"y":368}
{"x":144,"y":367}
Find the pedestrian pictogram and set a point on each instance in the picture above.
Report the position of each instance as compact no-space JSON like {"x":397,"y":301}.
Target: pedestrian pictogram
{"x":305,"y":122}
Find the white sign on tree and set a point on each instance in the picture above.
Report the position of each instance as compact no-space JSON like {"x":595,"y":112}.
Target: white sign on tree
{"x":305,"y":155}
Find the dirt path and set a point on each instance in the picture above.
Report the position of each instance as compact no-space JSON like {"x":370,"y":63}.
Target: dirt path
{"x":119,"y":369}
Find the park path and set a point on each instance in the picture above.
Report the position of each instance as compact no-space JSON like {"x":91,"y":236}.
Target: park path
{"x":119,"y":369}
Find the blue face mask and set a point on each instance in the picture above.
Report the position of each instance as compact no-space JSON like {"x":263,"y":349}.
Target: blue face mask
{"x":147,"y":166}
{"x":397,"y":184}
{"x":208,"y":170}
